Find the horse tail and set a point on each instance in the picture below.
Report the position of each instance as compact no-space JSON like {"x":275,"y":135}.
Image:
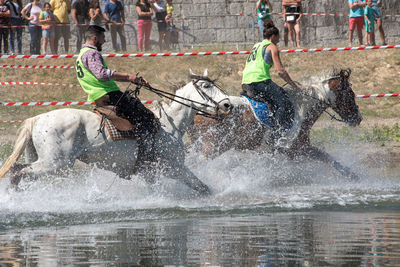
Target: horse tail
{"x":24,"y":136}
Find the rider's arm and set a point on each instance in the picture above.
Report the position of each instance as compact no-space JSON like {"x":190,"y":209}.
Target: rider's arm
{"x":279,"y":67}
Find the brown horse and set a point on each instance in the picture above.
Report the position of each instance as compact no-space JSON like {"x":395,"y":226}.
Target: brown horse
{"x":241,"y":130}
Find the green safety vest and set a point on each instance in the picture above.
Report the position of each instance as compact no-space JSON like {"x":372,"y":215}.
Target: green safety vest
{"x":256,"y":70}
{"x":92,"y":86}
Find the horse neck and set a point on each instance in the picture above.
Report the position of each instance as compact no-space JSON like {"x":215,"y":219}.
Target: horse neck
{"x":309,"y":106}
{"x":178,"y":117}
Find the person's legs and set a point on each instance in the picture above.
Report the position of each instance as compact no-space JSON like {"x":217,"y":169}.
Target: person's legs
{"x":291,"y":33}
{"x":352,"y":26}
{"x":38,"y":32}
{"x":147,"y":32}
{"x":140,"y":33}
{"x":19,"y":39}
{"x":113,"y":33}
{"x":360,"y":25}
{"x":122,"y":37}
{"x":13,"y":32}
{"x":80,"y":30}
{"x":32,"y":33}
{"x":297,"y":30}
{"x":285,"y":34}
{"x":51,"y":41}
{"x":44,"y":44}
{"x":66,"y":33}
{"x":261,"y":27}
{"x":57,"y":37}
{"x":381,"y":31}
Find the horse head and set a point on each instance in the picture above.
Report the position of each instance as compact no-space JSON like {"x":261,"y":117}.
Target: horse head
{"x":343,"y":100}
{"x":209,"y":98}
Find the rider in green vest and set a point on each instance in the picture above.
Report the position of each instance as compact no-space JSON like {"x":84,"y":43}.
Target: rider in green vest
{"x":257,"y":83}
{"x":98,"y":82}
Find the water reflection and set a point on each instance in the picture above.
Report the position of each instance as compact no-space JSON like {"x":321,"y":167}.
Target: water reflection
{"x":290,"y":238}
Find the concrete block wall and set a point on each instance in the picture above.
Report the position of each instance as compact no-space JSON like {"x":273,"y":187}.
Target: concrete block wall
{"x":217,"y":22}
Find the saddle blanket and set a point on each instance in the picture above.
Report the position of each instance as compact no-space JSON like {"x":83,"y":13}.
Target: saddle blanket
{"x":261,"y":112}
{"x":115,"y":134}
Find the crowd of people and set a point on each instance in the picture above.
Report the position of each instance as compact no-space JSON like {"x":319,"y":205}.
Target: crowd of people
{"x":362,"y":12}
{"x":49,"y":23}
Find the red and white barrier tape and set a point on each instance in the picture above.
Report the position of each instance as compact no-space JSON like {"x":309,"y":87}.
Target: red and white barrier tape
{"x":377,"y":95}
{"x":56,"y":103}
{"x":37,"y":83}
{"x":326,"y":14}
{"x":205,"y":53}
{"x":34,"y":67}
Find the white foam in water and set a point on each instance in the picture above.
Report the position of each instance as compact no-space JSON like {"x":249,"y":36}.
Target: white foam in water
{"x":236,"y":179}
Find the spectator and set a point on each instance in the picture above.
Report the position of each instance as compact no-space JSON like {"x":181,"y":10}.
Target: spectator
{"x":356,"y":19}
{"x":378,"y":18}
{"x":264,"y":8}
{"x":5,"y":18}
{"x":16,"y":20}
{"x":95,"y":14}
{"x":170,"y":8}
{"x":61,"y":10}
{"x":161,"y":14}
{"x":293,"y":21}
{"x":114,"y":13}
{"x":31,"y":13}
{"x":80,"y":15}
{"x":47,"y":19}
{"x":143,"y":8}
{"x":369,"y":16}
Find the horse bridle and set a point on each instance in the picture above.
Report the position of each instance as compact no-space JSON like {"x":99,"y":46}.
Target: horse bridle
{"x":215,"y":115}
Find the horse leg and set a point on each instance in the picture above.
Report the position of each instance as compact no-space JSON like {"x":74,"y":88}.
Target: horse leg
{"x":34,"y":170}
{"x":317,"y":154}
{"x":190,"y":179}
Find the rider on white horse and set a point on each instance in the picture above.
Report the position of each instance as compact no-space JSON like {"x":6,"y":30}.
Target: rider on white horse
{"x":257,"y":83}
{"x":99,"y":83}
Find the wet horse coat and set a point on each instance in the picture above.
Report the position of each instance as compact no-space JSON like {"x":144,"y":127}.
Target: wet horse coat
{"x":241,"y":130}
{"x":54,"y":140}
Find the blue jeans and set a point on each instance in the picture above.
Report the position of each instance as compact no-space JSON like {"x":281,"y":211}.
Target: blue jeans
{"x":18,"y":31}
{"x":36,"y":36}
{"x":261,"y":27}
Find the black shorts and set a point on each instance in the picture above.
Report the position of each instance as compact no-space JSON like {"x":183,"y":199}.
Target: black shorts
{"x":162,"y":26}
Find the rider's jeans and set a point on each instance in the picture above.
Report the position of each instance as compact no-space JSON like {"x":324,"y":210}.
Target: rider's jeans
{"x":277,"y":100}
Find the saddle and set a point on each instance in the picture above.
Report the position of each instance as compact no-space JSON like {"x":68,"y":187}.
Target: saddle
{"x":118,"y":127}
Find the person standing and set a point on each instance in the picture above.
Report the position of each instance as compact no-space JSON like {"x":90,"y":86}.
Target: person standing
{"x":16,"y":21}
{"x":161,"y":13}
{"x":356,"y":19}
{"x":47,"y":19}
{"x":376,"y":5}
{"x":257,"y":83}
{"x":61,"y":10}
{"x":33,"y":9}
{"x":80,"y":15}
{"x":114,"y":14}
{"x":95,"y":14}
{"x":144,"y":24}
{"x":293,"y":20}
{"x":264,"y":9}
{"x":5,"y":19}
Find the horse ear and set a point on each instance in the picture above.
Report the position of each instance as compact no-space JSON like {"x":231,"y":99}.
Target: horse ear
{"x":205,"y":73}
{"x":333,"y":84}
{"x":191,"y":73}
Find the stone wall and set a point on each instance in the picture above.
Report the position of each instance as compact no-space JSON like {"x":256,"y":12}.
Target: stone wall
{"x":217,"y":21}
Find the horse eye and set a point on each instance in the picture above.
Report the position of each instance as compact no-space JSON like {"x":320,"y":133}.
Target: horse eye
{"x":207,"y":85}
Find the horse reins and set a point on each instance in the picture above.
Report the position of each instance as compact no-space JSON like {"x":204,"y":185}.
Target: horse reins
{"x":172,"y":97}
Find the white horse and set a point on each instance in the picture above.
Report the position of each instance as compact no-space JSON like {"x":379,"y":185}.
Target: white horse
{"x":241,"y":130}
{"x":54,"y":140}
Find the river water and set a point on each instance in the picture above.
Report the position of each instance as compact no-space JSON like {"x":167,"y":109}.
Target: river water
{"x":265,"y":211}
